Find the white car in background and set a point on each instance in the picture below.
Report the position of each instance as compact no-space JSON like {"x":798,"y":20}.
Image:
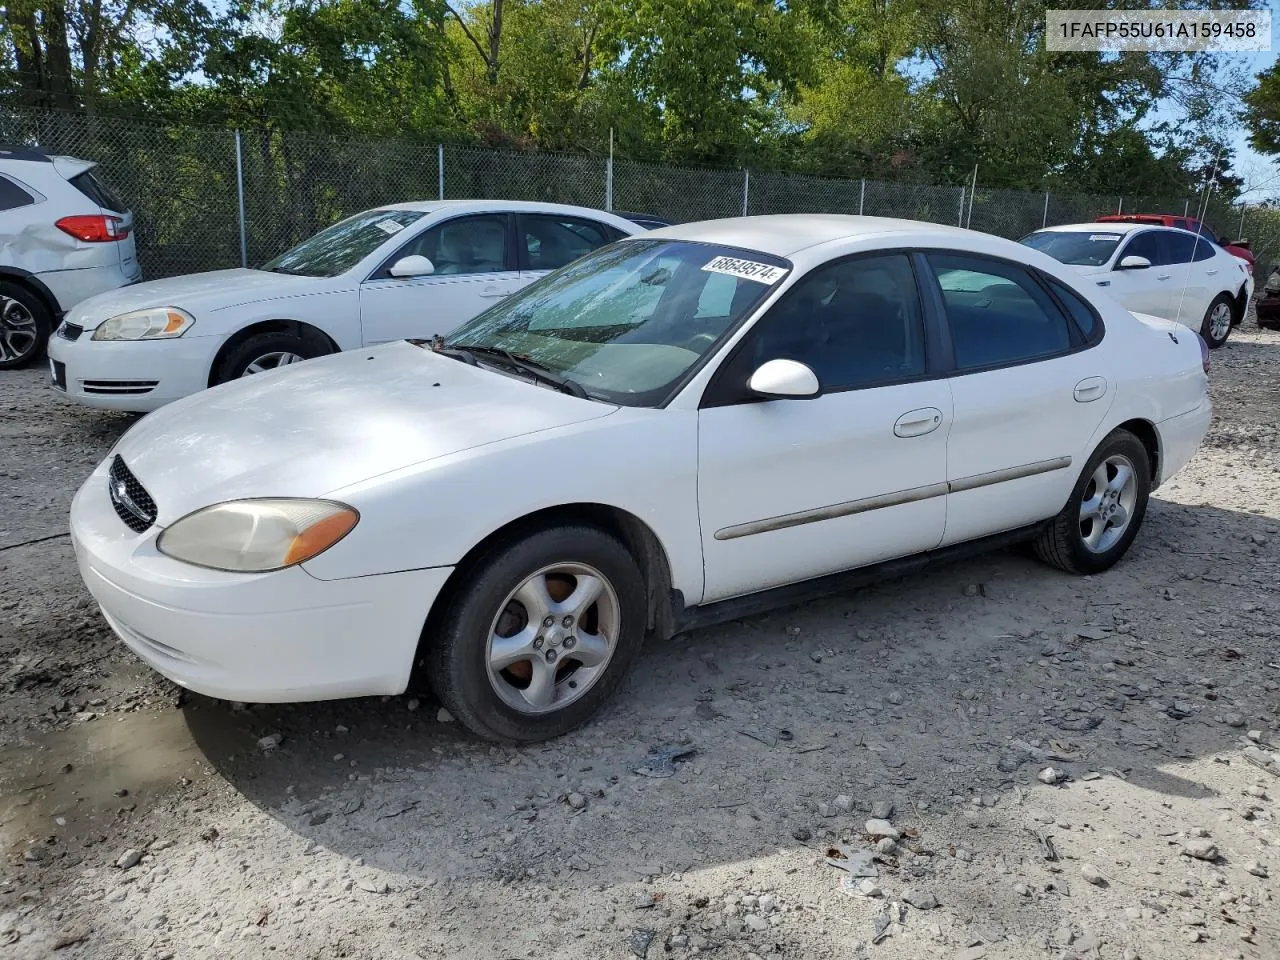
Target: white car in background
{"x":407,"y":270}
{"x":64,"y":236}
{"x":1160,"y":271}
{"x":689,"y":425}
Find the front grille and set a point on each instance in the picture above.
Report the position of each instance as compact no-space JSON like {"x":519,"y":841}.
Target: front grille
{"x":130,"y":499}
{"x":122,"y":387}
{"x":70,"y":331}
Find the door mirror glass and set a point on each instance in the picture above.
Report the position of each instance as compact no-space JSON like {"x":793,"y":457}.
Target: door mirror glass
{"x":414,"y":265}
{"x":782,"y":379}
{"x":1132,"y":262}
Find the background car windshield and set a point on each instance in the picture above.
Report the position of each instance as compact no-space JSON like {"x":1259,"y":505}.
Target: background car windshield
{"x":628,"y":321}
{"x":337,"y":249}
{"x":1078,"y":249}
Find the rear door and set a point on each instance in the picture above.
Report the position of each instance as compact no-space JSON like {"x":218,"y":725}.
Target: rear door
{"x":475,"y":267}
{"x":1187,"y":288}
{"x":1029,"y":392}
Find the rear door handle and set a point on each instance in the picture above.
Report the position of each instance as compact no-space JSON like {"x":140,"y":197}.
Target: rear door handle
{"x":1164,"y":276}
{"x":1211,"y":272}
{"x":916,"y":423}
{"x":1091,"y":388}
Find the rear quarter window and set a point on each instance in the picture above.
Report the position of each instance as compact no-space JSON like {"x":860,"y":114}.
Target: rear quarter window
{"x":13,"y":196}
{"x":96,"y":189}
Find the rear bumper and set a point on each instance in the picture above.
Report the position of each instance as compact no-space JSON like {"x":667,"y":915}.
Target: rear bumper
{"x":1180,"y":438}
{"x":264,"y":638}
{"x":132,"y":375}
{"x":70,"y":287}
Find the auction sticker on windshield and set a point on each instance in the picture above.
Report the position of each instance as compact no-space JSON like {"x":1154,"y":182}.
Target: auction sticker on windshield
{"x":747,"y":269}
{"x":389,"y":226}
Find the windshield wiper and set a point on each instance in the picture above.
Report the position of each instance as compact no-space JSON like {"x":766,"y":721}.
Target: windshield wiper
{"x":523,"y":365}
{"x":286,"y":270}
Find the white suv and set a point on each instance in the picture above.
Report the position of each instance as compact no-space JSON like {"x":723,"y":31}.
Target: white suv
{"x":64,"y":237}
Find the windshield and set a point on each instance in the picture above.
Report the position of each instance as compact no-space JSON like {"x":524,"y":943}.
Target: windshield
{"x":1079,"y":249}
{"x":628,"y":321}
{"x":337,"y":249}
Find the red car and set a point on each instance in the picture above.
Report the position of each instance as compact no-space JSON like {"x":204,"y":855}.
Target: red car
{"x":1238,"y":248}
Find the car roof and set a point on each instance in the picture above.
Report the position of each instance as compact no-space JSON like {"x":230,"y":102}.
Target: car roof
{"x":783,"y":235}
{"x":1108,"y":227}
{"x":480,"y":206}
{"x":1149,"y":217}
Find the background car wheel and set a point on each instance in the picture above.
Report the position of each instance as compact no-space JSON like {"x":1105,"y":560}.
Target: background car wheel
{"x":1217,"y":322}
{"x":1105,"y":509}
{"x":25,"y":325}
{"x":266,"y":351}
{"x":539,"y":634}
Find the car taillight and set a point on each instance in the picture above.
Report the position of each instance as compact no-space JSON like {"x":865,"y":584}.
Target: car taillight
{"x":1204,"y":354}
{"x":95,"y":228}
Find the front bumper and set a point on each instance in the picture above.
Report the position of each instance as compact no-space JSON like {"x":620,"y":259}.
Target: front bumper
{"x":138,"y":375}
{"x":263,"y":638}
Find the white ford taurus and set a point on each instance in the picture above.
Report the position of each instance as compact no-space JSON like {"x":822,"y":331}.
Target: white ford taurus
{"x":683,"y":426}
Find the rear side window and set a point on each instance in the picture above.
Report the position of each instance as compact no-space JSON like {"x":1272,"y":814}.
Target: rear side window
{"x":1204,"y":249}
{"x":550,"y":242}
{"x":96,"y":189}
{"x":997,"y":313}
{"x":1085,"y":319}
{"x":1178,"y":247}
{"x":13,"y":196}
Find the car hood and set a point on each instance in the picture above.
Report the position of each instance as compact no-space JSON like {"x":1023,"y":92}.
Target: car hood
{"x":196,"y":293}
{"x":310,"y":429}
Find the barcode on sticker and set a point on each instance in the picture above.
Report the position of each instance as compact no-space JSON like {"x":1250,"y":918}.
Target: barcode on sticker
{"x":1103,"y":236}
{"x":389,"y":226}
{"x":747,"y":269}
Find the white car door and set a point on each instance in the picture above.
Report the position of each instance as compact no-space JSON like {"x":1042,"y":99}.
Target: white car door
{"x":1140,"y":289}
{"x":474,"y":267}
{"x":1028,"y":394}
{"x":790,"y":489}
{"x":1188,"y":288}
{"x":547,"y":241}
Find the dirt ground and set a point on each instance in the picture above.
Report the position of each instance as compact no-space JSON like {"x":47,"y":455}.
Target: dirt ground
{"x":139,"y":822}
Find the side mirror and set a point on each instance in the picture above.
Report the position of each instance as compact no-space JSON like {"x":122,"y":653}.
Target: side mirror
{"x":784,"y":380}
{"x":414,"y":265}
{"x":1133,"y":263}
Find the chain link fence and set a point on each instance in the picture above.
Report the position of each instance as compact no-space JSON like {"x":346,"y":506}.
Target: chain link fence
{"x":186,"y":186}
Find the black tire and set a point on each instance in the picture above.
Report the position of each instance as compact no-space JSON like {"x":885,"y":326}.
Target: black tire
{"x":457,"y":657}
{"x":1063,"y":545}
{"x":25,"y":325}
{"x":237,"y":362}
{"x":1206,"y":325}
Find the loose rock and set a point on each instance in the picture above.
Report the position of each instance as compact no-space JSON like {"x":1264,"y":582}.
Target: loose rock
{"x":1202,"y":849}
{"x":882,"y":828}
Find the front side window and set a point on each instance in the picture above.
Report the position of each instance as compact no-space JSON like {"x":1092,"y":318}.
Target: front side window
{"x":855,"y":323}
{"x":998,"y":315}
{"x":628,"y":321}
{"x":337,"y":249}
{"x":1091,"y":249}
{"x":1146,"y":244}
{"x":464,"y":245}
{"x":551,"y":242}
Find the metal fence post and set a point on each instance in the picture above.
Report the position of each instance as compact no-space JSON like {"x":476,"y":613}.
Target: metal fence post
{"x":244,"y":236}
{"x":1120,"y":207}
{"x":1044,"y":221}
{"x":1240,"y":234}
{"x":608,"y":176}
{"x":960,"y":220}
{"x":746,"y":189}
{"x":862,"y":196}
{"x":1186,"y":207}
{"x":440,"y":167}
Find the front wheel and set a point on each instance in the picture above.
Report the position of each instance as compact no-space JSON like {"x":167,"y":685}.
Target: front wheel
{"x":1105,"y":509}
{"x":538,"y":634}
{"x":1217,"y":323}
{"x":267,"y":351}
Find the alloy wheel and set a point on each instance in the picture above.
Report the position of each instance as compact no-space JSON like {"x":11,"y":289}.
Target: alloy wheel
{"x":269,"y":361}
{"x":553,"y":638}
{"x":1106,"y":508}
{"x":18,"y":331}
{"x":1220,"y":321}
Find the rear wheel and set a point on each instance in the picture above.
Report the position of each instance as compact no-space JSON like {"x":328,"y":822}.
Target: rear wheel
{"x":1217,"y":323}
{"x":1105,"y":510}
{"x":539,"y":634}
{"x":25,"y":325}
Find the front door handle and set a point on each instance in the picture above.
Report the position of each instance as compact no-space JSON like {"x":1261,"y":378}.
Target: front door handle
{"x":916,"y":423}
{"x":1165,"y":276}
{"x":1212,"y":273}
{"x":1090,"y":388}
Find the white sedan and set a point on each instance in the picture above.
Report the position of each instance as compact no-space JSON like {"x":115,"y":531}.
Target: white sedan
{"x":404,"y":270}
{"x":693,"y":424}
{"x":1161,"y":271}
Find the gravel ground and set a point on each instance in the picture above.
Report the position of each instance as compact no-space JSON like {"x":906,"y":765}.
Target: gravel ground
{"x":140,"y":822}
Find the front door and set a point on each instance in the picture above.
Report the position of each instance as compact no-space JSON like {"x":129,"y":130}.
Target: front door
{"x":797,"y":488}
{"x":474,"y":269}
{"x":1145,"y":289}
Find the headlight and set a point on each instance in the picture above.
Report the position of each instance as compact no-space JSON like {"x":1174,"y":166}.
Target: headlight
{"x":157,"y":323}
{"x":253,"y":536}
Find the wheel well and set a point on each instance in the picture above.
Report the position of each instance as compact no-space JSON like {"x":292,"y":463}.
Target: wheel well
{"x":1146,"y":432}
{"x":1239,"y":305}
{"x":28,"y":282}
{"x":641,"y":542}
{"x":296,"y":327}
